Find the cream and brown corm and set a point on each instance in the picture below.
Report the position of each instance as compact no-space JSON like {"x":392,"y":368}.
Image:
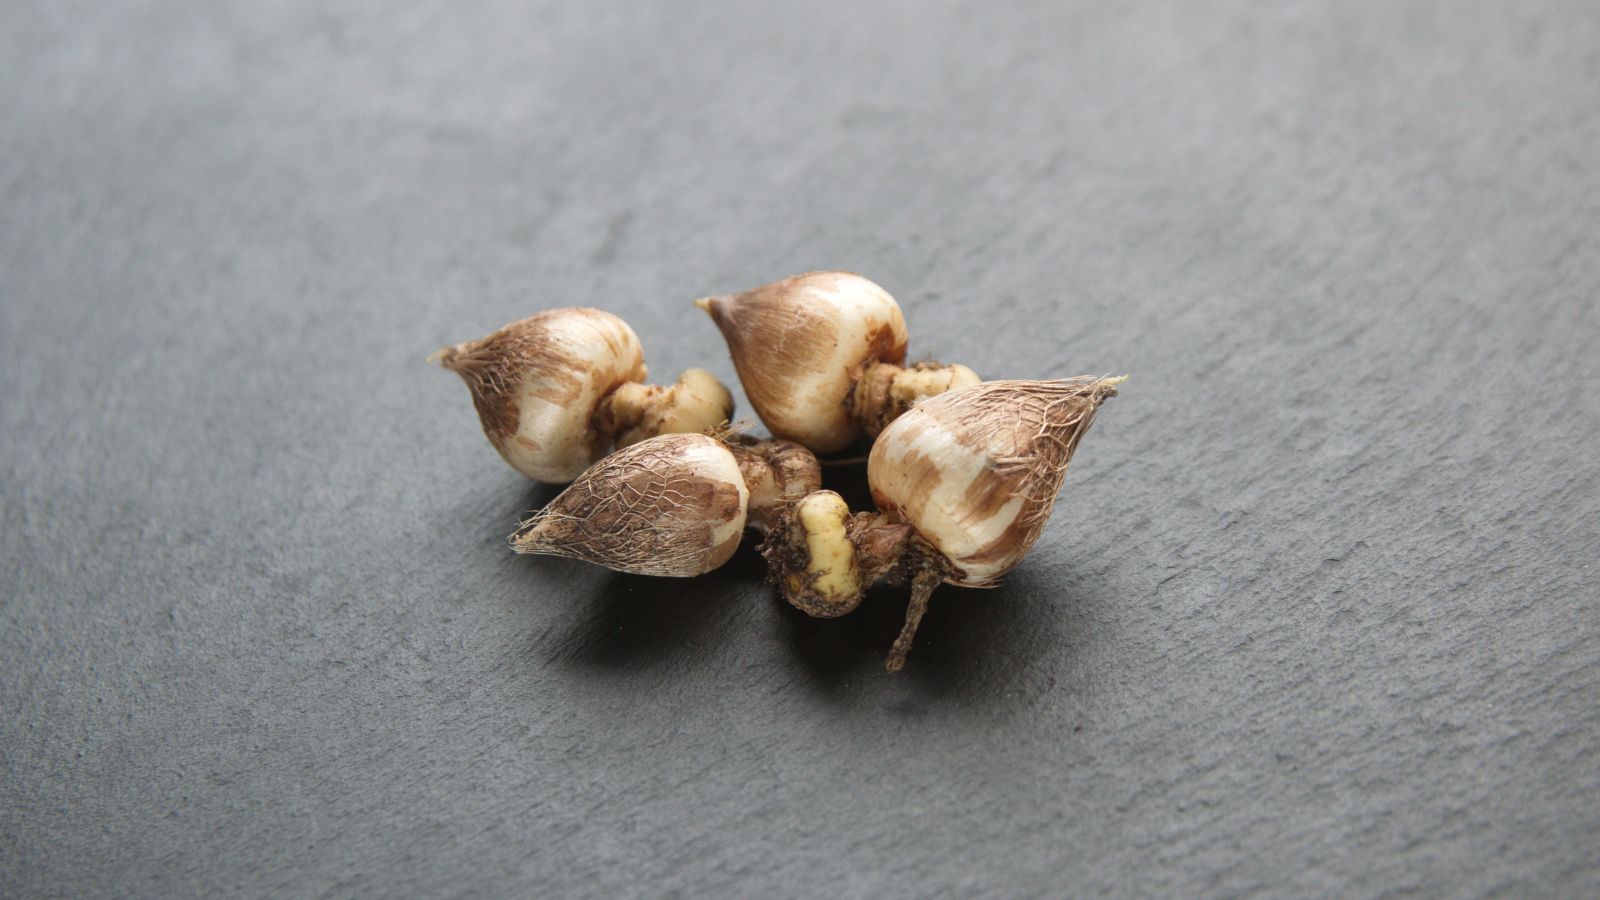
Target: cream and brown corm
{"x":559,"y":390}
{"x":822,"y":357}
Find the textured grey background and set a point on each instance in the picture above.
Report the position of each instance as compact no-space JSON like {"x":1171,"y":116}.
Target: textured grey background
{"x":1317,"y":612}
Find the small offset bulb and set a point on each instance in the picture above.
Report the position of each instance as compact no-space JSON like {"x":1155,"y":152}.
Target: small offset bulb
{"x":964,"y":483}
{"x":822,"y":357}
{"x":675,"y":505}
{"x":558,"y":390}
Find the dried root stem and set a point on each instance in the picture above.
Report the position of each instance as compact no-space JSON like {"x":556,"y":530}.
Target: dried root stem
{"x":823,"y":559}
{"x":922,"y":586}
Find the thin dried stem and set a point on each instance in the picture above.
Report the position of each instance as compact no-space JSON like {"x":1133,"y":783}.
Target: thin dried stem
{"x":922,"y":587}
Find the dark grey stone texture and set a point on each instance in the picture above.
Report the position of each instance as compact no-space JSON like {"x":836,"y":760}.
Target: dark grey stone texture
{"x":1316,"y":614}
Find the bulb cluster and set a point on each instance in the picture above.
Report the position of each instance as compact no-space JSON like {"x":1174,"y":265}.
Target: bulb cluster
{"x":964,"y":473}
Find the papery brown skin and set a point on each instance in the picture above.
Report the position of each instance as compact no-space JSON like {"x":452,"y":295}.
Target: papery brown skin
{"x":964,"y":481}
{"x":977,"y":471}
{"x":558,"y":390}
{"x":800,"y":343}
{"x":537,"y":382}
{"x":672,"y":506}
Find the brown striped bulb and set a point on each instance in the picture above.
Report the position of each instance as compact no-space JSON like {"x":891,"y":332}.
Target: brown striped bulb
{"x":558,"y":390}
{"x":822,"y":357}
{"x":675,"y":505}
{"x":964,"y":483}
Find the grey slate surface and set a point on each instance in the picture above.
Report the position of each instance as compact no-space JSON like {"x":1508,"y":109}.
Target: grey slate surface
{"x":1316,"y":614}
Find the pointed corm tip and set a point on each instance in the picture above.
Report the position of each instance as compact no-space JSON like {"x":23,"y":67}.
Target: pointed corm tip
{"x":718,"y":307}
{"x":444,"y":356}
{"x":529,"y":537}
